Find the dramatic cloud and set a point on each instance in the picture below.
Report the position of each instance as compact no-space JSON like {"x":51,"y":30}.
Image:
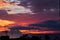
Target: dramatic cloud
{"x":43,"y":20}
{"x":14,"y":9}
{"x":53,"y":24}
{"x":46,"y":27}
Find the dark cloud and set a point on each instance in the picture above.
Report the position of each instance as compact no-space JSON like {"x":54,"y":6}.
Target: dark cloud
{"x":22,"y":28}
{"x":53,"y":24}
{"x":15,"y":29}
{"x":46,"y":25}
{"x":38,"y":5}
{"x":45,"y":3}
{"x":3,"y":12}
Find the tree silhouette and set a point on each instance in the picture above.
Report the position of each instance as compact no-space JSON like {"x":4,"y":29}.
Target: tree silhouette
{"x":47,"y":37}
{"x":56,"y":38}
{"x":24,"y":37}
{"x":4,"y":38}
{"x":35,"y":37}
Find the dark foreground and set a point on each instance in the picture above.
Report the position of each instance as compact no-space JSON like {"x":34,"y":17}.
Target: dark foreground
{"x":34,"y":37}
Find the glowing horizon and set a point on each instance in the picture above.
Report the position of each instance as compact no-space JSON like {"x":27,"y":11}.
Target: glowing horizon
{"x":38,"y":32}
{"x":5,"y":22}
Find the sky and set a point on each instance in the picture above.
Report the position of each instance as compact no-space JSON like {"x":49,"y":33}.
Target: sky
{"x":34,"y":14}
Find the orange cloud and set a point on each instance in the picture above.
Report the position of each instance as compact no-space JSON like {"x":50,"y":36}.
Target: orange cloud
{"x":37,"y":32}
{"x":6,"y":22}
{"x":2,"y":4}
{"x":4,"y":29}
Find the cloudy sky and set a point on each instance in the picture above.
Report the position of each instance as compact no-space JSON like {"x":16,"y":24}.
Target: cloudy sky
{"x":43,"y":14}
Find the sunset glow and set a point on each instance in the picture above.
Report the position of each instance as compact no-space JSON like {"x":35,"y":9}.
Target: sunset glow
{"x":3,"y":29}
{"x":29,"y":17}
{"x":37,"y":32}
{"x":5,"y":22}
